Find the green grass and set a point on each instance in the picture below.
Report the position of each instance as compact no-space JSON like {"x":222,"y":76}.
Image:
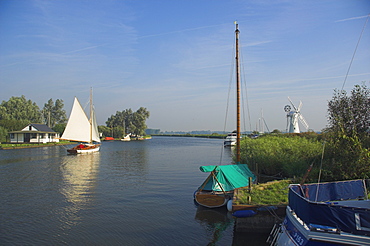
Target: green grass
{"x":22,"y":145}
{"x":270,"y":193}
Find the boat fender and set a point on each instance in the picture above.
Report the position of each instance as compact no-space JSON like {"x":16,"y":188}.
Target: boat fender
{"x":229,"y":205}
{"x":244,"y":213}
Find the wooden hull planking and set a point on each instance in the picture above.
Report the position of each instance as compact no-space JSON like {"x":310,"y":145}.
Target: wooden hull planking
{"x":211,"y":200}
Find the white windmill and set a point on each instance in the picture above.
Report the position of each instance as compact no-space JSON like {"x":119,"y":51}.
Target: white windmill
{"x":293,"y":116}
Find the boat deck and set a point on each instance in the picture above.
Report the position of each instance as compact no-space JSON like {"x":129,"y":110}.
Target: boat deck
{"x":354,"y":203}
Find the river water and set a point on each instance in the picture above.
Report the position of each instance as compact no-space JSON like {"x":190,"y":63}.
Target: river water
{"x":129,"y":193}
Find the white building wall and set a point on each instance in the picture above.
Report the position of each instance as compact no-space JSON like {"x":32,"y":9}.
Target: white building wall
{"x":19,"y":138}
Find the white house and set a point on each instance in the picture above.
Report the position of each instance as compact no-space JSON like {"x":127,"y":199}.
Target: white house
{"x":34,"y":133}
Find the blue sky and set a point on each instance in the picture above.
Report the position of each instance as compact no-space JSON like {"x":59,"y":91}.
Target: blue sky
{"x":175,"y":57}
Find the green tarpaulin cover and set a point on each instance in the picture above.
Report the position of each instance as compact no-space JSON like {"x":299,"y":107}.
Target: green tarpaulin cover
{"x":229,"y":176}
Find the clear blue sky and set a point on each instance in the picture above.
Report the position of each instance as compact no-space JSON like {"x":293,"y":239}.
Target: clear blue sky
{"x":175,"y":57}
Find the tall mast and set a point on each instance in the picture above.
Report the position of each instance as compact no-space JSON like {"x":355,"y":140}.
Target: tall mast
{"x":237,"y":94}
{"x":91,"y":116}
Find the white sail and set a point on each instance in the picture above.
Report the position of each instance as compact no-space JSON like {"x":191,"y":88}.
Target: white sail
{"x":95,"y":134}
{"x":78,"y":126}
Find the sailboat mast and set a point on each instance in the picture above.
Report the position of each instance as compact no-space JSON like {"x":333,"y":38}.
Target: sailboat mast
{"x":91,"y":115}
{"x":237,"y":94}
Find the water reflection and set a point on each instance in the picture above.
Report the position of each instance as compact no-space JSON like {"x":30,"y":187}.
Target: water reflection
{"x":215,"y":221}
{"x":79,"y":174}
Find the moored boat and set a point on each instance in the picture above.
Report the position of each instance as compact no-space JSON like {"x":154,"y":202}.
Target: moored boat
{"x":230,"y":139}
{"x":333,"y":213}
{"x":126,"y":138}
{"x":219,"y":186}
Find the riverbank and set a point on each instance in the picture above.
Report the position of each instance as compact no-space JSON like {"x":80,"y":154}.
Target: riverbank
{"x":33,"y":145}
{"x":267,"y":200}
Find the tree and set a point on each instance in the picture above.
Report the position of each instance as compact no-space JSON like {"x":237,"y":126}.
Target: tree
{"x":54,"y":113}
{"x":347,"y":154}
{"x":19,"y":108}
{"x":106,"y":131}
{"x":139,"y":119}
{"x":59,"y":128}
{"x":3,"y":134}
{"x":350,"y":114}
{"x":14,"y":125}
{"x":276,"y":131}
{"x":127,"y":121}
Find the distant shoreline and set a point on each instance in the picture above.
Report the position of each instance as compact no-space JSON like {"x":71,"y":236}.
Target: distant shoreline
{"x":192,"y":135}
{"x":40,"y":145}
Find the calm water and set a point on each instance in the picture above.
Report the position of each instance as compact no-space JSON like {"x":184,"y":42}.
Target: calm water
{"x":130,"y":193}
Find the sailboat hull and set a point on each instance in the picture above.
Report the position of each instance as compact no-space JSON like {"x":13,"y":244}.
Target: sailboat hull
{"x":84,"y":149}
{"x":212,"y":200}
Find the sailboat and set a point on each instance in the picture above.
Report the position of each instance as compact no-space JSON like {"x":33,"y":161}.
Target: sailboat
{"x":219,"y":186}
{"x":82,"y":129}
{"x":126,"y":138}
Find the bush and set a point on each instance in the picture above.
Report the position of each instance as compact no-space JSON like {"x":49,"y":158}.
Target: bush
{"x":345,"y":158}
{"x":3,"y":134}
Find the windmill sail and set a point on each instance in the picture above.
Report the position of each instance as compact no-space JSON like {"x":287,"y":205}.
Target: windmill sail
{"x":293,"y":117}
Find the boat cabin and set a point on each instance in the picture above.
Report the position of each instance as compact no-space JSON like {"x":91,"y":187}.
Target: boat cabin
{"x":34,"y":133}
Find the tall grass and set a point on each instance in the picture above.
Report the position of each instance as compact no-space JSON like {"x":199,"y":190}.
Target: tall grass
{"x":280,"y":156}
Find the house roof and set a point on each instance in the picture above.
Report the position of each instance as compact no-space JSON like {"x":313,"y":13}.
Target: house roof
{"x":41,"y":128}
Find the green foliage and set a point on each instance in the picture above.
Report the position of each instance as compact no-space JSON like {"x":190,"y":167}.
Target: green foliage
{"x":346,"y":144}
{"x":285,"y":155}
{"x":59,"y":128}
{"x":347,"y":154}
{"x":276,"y":131}
{"x":139,"y":118}
{"x":106,"y":131}
{"x":54,"y":113}
{"x":19,"y":108}
{"x":345,"y":158}
{"x":271,"y":193}
{"x":13,"y":124}
{"x":350,"y":115}
{"x":18,"y":112}
{"x":128,"y":121}
{"x":3,"y":134}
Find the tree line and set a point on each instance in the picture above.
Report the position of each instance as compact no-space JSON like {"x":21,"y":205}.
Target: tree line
{"x":340,"y":152}
{"x":126,"y":122}
{"x":18,"y":112}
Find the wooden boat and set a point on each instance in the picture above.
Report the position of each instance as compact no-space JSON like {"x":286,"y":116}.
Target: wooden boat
{"x":82,"y":129}
{"x":218,"y":188}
